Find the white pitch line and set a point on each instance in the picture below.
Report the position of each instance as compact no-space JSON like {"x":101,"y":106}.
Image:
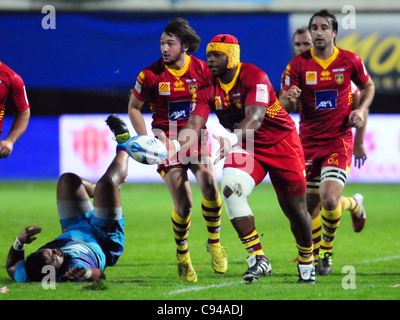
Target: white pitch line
{"x":380,"y":259}
{"x":225,"y":284}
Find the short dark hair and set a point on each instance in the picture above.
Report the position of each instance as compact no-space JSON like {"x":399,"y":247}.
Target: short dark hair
{"x":328,"y":16}
{"x":180,"y":28}
{"x":301,"y":30}
{"x":34,"y":265}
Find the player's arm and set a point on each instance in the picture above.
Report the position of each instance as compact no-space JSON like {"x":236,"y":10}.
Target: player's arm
{"x":246,"y":128}
{"x":20,"y":123}
{"x":188,"y":135}
{"x":288,"y":99}
{"x":358,"y":150}
{"x":135,"y":115}
{"x":16,"y":253}
{"x":87,"y":274}
{"x":358,"y":115}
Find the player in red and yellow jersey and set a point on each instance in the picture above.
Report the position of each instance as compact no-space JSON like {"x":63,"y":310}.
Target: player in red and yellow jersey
{"x":302,"y":42}
{"x":170,"y":84}
{"x":319,"y":82}
{"x":263,"y":140}
{"x":12,"y":90}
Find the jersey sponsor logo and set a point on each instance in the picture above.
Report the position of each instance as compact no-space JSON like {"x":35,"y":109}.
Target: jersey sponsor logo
{"x":262,"y":93}
{"x":164,"y":89}
{"x":325,"y":75}
{"x":339,"y":78}
{"x":218,"y":103}
{"x":311,"y":77}
{"x":178,"y":109}
{"x":325,"y":99}
{"x":179,"y":86}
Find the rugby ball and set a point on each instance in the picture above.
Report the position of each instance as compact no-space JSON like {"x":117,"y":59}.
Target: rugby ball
{"x":146,"y":149}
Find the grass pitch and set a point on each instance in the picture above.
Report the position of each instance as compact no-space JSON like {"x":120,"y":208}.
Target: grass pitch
{"x":147,"y":270}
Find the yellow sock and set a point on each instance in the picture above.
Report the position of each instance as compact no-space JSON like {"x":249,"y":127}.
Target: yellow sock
{"x":305,"y":254}
{"x":252,"y":243}
{"x":181,"y":230}
{"x":349,"y":204}
{"x":211,"y":211}
{"x":330,"y":223}
{"x":316,"y":236}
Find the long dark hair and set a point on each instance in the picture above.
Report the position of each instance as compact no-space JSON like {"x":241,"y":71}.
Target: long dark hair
{"x":180,"y":28}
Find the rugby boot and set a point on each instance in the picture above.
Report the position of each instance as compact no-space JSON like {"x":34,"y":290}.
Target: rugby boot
{"x":306,"y":273}
{"x":219,"y":260}
{"x":118,"y":128}
{"x":186,"y":271}
{"x":325,"y":263}
{"x":258,"y":266}
{"x":358,"y":217}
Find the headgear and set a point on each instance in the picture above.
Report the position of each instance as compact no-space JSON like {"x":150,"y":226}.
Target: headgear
{"x":228,"y":45}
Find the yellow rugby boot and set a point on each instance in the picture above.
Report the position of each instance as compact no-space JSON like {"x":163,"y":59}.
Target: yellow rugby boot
{"x":186,"y":271}
{"x":219,"y":259}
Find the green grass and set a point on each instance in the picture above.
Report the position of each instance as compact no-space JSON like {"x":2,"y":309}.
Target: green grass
{"x":147,"y":269}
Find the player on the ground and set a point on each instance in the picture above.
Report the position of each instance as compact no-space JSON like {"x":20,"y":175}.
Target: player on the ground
{"x":12,"y":90}
{"x":92,"y":235}
{"x":263,"y":140}
{"x":302,"y":42}
{"x":319,"y":82}
{"x":170,"y":83}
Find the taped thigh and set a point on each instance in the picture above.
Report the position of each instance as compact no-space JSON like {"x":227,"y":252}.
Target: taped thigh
{"x":236,"y":186}
{"x":69,"y":208}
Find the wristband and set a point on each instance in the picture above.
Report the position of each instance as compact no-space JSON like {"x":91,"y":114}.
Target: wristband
{"x":177,"y":145}
{"x":232,"y":138}
{"x":88,"y":274}
{"x":18,"y":245}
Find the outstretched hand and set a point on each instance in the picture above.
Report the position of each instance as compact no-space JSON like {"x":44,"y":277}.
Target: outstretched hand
{"x":27,"y":234}
{"x":224,"y":148}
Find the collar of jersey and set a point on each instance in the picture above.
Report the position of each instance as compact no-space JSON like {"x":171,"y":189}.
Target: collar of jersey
{"x":179,"y":73}
{"x":227,"y":87}
{"x":325,"y":63}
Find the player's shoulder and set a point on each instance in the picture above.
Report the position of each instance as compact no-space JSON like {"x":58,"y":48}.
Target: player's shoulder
{"x":346,"y":54}
{"x":156,"y":68}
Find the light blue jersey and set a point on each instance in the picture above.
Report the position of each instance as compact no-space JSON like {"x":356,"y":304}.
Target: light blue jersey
{"x":88,"y":242}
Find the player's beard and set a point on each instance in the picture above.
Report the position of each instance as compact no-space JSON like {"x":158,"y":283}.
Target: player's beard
{"x":175,"y":60}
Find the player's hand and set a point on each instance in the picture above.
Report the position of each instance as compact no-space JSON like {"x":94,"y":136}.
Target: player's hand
{"x":169,"y":145}
{"x":75,"y":273}
{"x":356,"y":119}
{"x":293,"y":93}
{"x":27,"y":234}
{"x":224,"y":148}
{"x":359,"y":155}
{"x":5,"y":148}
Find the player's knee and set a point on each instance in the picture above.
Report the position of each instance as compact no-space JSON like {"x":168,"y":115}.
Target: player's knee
{"x":68,"y":181}
{"x":236,"y":186}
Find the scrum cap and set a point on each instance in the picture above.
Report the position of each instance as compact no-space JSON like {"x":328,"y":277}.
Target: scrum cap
{"x":228,"y":45}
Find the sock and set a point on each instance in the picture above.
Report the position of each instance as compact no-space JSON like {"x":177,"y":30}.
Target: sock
{"x":252,"y":243}
{"x":211,"y":211}
{"x":316,"y":236}
{"x":122,"y":146}
{"x":181,"y":229}
{"x":350,"y":204}
{"x":305,"y":255}
{"x":330,"y":223}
